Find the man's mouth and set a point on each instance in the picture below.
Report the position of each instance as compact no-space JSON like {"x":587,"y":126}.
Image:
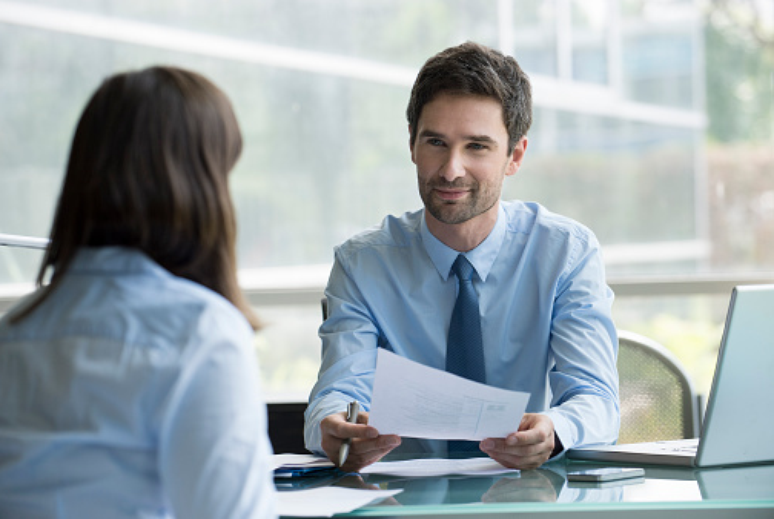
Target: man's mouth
{"x":451,"y":194}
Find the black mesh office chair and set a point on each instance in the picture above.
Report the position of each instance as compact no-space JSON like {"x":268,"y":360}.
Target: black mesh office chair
{"x":657,"y":398}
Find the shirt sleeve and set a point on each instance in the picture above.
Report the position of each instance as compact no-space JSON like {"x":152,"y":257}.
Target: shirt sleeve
{"x":215,"y":455}
{"x":349,"y":340}
{"x":584,"y":343}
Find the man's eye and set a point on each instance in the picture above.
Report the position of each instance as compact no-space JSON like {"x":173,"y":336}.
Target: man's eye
{"x":435,"y":142}
{"x":476,"y":146}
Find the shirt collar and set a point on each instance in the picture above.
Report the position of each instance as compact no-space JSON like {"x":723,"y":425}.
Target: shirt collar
{"x":482,"y":257}
{"x":114,"y":259}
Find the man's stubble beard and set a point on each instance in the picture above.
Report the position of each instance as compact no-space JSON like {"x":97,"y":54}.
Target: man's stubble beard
{"x":458,"y":211}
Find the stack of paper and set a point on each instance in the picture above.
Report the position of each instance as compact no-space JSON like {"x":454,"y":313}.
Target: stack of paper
{"x":430,"y":467}
{"x":327,"y":501}
{"x":302,"y":471}
{"x":295,"y":465}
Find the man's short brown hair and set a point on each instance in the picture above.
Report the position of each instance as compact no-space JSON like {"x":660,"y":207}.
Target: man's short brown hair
{"x":474,"y":69}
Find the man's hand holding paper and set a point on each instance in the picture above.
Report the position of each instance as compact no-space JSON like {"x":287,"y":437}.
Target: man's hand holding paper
{"x":413,"y":400}
{"x":528,"y":448}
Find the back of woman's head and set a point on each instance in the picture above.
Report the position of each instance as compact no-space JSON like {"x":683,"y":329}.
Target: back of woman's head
{"x":148,"y":169}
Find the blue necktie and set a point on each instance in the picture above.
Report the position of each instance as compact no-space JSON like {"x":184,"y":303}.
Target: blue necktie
{"x":464,"y":349}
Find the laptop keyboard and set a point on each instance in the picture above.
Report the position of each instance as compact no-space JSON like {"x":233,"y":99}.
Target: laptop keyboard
{"x":688,"y":449}
{"x":688,"y":446}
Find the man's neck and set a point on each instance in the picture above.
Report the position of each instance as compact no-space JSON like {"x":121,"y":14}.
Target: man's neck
{"x":465,"y":236}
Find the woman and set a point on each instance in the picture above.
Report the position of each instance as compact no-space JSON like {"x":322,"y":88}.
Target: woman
{"x":128,"y":385}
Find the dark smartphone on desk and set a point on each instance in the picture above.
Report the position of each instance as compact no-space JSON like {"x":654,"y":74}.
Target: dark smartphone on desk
{"x":605,"y":474}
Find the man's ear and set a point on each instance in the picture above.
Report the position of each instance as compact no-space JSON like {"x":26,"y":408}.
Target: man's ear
{"x":411,"y":145}
{"x":517,"y":156}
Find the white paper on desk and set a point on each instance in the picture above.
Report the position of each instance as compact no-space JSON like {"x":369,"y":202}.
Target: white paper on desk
{"x":413,"y":400}
{"x":327,"y":501}
{"x":300,"y":461}
{"x":431,"y":467}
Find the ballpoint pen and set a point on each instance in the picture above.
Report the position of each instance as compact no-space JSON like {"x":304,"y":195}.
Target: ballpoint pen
{"x":352,"y":411}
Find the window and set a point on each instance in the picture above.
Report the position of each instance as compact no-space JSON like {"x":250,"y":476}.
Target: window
{"x":653,"y":126}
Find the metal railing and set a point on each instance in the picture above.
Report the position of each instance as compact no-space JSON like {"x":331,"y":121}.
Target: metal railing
{"x":27,"y":242}
{"x":312,"y":291}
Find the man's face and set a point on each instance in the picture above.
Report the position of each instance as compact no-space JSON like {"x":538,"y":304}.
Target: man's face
{"x":461,"y":153}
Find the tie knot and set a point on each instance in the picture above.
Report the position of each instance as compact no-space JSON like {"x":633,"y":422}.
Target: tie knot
{"x":462,"y":268}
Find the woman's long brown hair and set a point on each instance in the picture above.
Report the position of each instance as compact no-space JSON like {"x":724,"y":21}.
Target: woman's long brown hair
{"x":148,"y":169}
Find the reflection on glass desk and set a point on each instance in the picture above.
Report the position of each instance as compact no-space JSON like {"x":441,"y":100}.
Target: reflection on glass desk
{"x":738,"y":492}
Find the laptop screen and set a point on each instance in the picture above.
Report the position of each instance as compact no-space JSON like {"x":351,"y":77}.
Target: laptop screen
{"x":739,"y":422}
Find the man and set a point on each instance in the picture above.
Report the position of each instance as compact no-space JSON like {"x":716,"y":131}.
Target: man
{"x":542,"y":322}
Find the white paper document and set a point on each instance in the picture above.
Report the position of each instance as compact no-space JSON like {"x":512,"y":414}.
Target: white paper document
{"x":327,"y":501}
{"x":421,"y":468}
{"x":413,"y":400}
{"x":300,"y":461}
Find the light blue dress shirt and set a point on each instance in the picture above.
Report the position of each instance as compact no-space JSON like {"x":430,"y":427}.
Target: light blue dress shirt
{"x":545,"y":316}
{"x":131,"y":393}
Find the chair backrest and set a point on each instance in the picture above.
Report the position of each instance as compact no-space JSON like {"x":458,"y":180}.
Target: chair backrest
{"x":657,"y":398}
{"x":286,"y":427}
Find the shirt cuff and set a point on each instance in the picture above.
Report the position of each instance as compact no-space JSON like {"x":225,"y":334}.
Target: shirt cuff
{"x":558,"y":447}
{"x":563,"y":432}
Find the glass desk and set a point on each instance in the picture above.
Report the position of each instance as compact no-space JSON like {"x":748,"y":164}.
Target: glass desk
{"x":665,"y":493}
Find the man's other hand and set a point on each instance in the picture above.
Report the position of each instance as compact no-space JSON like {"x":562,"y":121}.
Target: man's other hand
{"x":528,"y":448}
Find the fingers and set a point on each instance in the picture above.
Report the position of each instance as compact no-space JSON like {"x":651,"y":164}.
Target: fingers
{"x":519,"y":461}
{"x":365,"y":452}
{"x":517,"y":455}
{"x":337,"y":428}
{"x":525,"y":449}
{"x":366,"y":446}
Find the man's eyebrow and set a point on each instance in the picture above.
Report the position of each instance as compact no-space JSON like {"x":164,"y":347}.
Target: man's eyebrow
{"x":474,"y":138}
{"x":482,"y":138}
{"x":430,"y":133}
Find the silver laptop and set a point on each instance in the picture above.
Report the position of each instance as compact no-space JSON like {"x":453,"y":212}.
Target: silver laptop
{"x":743,"y":482}
{"x":739,"y":423}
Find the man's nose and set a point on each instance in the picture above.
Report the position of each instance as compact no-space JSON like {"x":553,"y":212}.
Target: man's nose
{"x":453,"y":168}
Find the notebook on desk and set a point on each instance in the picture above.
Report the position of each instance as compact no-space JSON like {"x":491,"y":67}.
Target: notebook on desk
{"x":739,"y":422}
